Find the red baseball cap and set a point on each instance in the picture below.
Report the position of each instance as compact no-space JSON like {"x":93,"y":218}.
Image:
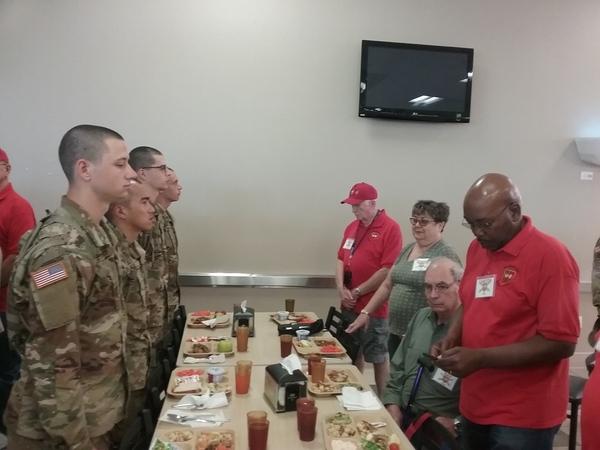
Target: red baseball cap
{"x":359,"y":193}
{"x":3,"y":156}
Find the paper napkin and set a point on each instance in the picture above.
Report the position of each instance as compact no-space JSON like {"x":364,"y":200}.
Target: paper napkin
{"x":354,"y":400}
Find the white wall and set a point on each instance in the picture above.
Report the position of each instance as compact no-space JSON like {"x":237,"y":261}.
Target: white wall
{"x":254,"y":103}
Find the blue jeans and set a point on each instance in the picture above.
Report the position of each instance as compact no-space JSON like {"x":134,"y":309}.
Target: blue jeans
{"x":498,"y":437}
{"x":10,"y":363}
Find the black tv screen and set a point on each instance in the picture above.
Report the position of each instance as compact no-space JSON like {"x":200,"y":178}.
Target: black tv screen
{"x":415,"y":82}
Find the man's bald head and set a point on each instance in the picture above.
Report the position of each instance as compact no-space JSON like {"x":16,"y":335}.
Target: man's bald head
{"x":492,"y":209}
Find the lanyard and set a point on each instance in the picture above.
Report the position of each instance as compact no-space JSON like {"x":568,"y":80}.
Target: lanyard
{"x":354,"y":244}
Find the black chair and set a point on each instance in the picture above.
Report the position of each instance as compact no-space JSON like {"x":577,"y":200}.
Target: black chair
{"x":169,"y":347}
{"x":336,"y":324}
{"x":576,"y":385}
{"x":590,"y":363}
{"x":156,"y":388}
{"x":179,"y":319}
{"x":432,"y":435}
{"x":139,"y":434}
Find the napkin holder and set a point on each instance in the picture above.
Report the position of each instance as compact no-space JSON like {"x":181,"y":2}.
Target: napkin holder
{"x":282,"y":389}
{"x":291,"y":328}
{"x":244,"y":318}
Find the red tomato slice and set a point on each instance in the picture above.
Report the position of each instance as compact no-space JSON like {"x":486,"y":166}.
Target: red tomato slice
{"x":331,"y":349}
{"x":202,"y":313}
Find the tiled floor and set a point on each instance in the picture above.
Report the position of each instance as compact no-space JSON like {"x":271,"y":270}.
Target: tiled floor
{"x":589,"y":314}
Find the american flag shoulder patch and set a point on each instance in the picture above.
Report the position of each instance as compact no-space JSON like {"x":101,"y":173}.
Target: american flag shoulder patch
{"x":49,"y":275}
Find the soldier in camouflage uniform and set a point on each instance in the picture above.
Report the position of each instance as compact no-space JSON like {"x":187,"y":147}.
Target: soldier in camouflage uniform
{"x":130,"y":217}
{"x":151,"y":171}
{"x":66,"y":310}
{"x":165,"y":198}
{"x":596,"y":277}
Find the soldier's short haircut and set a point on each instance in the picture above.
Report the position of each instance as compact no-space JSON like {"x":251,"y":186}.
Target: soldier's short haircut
{"x":142,"y":157}
{"x":83,"y":142}
{"x":125,"y":201}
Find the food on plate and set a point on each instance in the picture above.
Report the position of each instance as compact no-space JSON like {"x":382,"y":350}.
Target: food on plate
{"x":219,"y":387}
{"x":189,"y":372}
{"x":322,"y":342}
{"x":394,"y":442}
{"x":304,"y":343}
{"x":339,"y":418}
{"x":199,"y":320}
{"x":375,"y":442}
{"x":338,"y":376}
{"x":343,"y":445}
{"x":296,"y":317}
{"x":180,"y":436}
{"x":188,"y":388}
{"x":187,"y":379}
{"x":340,"y":430}
{"x":394,"y":446}
{"x":199,"y":339}
{"x":324,"y":388}
{"x":364,"y":427}
{"x":331,"y":349}
{"x":160,"y":445}
{"x":225,"y":346}
{"x":214,"y":441}
{"x":204,"y":313}
{"x":306,"y":320}
{"x":200,"y":348}
{"x":220,"y":313}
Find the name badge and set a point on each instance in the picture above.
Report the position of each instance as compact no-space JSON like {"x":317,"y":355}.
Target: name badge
{"x":485,"y":286}
{"x":421,"y":264}
{"x":348,"y":244}
{"x":444,"y":378}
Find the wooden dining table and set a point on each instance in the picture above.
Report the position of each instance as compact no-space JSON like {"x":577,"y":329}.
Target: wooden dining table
{"x":263,"y":348}
{"x":283,"y":431}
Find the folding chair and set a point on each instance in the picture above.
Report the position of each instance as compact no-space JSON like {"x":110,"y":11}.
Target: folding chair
{"x":156,"y":388}
{"x":432,"y":435}
{"x":336,"y":324}
{"x":139,"y":434}
{"x":169,"y":347}
{"x":179,"y":319}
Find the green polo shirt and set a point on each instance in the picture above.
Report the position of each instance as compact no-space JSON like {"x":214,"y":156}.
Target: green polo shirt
{"x":423,"y":331}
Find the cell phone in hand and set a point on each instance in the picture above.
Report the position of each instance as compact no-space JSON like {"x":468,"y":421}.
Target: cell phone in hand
{"x":433,"y":358}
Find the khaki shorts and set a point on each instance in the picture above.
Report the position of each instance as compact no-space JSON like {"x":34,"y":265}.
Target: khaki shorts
{"x":373,"y":341}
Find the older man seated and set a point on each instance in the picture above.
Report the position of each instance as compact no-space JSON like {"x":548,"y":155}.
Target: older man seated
{"x":438,"y":391}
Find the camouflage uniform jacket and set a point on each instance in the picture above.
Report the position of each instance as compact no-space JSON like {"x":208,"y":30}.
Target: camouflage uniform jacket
{"x":153,"y":243}
{"x":596,"y":277}
{"x":68,"y":322}
{"x":135,"y":292}
{"x":173,"y":258}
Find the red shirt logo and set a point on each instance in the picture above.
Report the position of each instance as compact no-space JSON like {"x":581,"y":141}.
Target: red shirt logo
{"x":508,"y":274}
{"x":374,"y":235}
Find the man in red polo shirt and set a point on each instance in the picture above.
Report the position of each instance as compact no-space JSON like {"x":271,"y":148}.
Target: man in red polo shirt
{"x":16,"y":217}
{"x":368,"y":250}
{"x":517,"y":328}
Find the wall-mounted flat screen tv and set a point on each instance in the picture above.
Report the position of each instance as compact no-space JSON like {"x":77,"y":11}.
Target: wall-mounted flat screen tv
{"x":415,"y":82}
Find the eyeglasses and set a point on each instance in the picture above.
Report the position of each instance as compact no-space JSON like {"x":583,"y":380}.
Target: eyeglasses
{"x":163,"y":167}
{"x":483,"y":224}
{"x":440,"y":287}
{"x":421,"y":222}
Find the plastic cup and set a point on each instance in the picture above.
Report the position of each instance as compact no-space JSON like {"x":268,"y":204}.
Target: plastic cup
{"x":302,"y":335}
{"x":243,"y":369}
{"x":311,"y":359}
{"x":307,"y":422}
{"x":286,"y":344}
{"x":304,"y":403}
{"x":318,"y":371}
{"x":215,"y":374}
{"x":256,"y":417}
{"x":283,"y":315}
{"x":241,"y":334}
{"x":258,"y":435}
{"x":289,"y":304}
